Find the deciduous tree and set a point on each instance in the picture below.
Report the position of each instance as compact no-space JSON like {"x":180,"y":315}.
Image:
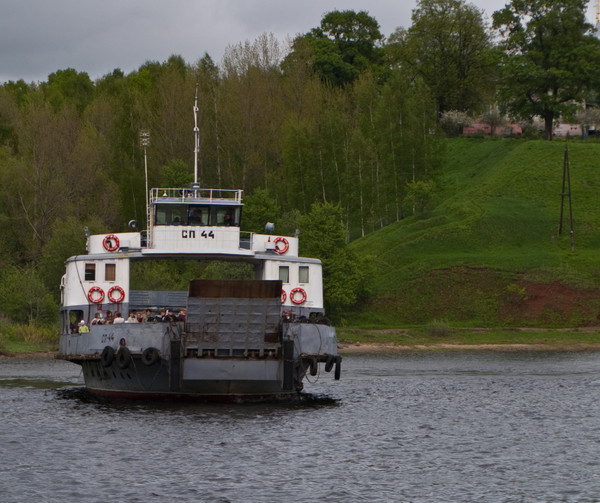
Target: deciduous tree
{"x":344,"y":45}
{"x":449,"y":46}
{"x":550,"y":58}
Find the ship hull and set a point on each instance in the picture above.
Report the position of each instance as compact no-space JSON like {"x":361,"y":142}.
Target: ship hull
{"x":202,"y":380}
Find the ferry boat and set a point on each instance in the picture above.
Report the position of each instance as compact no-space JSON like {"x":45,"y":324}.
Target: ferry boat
{"x":221,"y":340}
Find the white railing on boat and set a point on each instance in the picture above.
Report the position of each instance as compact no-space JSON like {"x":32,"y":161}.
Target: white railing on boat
{"x":196,"y":194}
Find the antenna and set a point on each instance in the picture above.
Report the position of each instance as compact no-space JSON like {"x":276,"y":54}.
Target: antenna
{"x":144,"y":142}
{"x":196,"y":136}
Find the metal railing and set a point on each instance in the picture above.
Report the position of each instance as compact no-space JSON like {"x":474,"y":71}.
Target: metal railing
{"x":193,"y":194}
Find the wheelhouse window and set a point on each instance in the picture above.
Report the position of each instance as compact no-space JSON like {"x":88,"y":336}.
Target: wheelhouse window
{"x":197,"y":214}
{"x":110,"y":272}
{"x":303,"y":274}
{"x":170,"y":214}
{"x":284,"y":273}
{"x":90,"y":272}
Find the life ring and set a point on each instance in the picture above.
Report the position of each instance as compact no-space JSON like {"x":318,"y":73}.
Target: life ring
{"x":110,"y":243}
{"x":150,"y":356}
{"x":92,"y":291}
{"x":283,"y":296}
{"x":123,"y":357}
{"x":107,"y":356}
{"x":286,"y":245}
{"x":302,"y":298}
{"x":118,"y":299}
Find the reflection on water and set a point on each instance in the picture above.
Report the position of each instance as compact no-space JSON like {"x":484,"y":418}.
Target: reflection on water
{"x":488,"y":426}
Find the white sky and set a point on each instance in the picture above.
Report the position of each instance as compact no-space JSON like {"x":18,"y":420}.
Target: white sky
{"x":38,"y":37}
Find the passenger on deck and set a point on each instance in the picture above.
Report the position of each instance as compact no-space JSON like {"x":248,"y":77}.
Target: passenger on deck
{"x":118,"y":318}
{"x":109,"y":318}
{"x":147,"y":316}
{"x":170,"y":316}
{"x":161,"y":316}
{"x":83,"y":328}
{"x":98,"y":319}
{"x":132,"y":318}
{"x":181,"y":315}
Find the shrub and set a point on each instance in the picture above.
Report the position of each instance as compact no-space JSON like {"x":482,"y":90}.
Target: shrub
{"x":439,"y":328}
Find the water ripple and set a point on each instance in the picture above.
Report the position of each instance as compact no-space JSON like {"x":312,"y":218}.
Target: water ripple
{"x":501,"y":427}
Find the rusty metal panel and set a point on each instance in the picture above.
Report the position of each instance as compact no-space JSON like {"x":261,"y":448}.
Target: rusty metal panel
{"x":234,"y":323}
{"x":248,"y":289}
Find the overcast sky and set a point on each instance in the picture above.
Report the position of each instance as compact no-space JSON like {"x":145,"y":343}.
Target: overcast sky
{"x":38,"y":37}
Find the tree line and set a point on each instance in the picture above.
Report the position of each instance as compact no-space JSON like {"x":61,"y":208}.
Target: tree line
{"x":340,"y":127}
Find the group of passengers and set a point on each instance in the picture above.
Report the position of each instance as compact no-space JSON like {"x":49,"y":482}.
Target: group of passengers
{"x":165,"y":315}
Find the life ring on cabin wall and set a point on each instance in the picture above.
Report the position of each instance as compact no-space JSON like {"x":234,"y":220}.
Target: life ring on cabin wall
{"x":92,"y":297}
{"x":283,"y":296}
{"x":286,"y":245}
{"x":295,"y":299}
{"x":117,"y":289}
{"x":110,"y":243}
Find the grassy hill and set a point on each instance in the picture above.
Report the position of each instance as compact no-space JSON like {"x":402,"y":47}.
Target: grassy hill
{"x":487,"y":252}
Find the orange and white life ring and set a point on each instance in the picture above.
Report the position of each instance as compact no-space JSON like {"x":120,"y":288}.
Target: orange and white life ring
{"x":110,"y":243}
{"x":92,"y":297}
{"x":283,"y":296}
{"x":120,"y":291}
{"x":295,"y":299}
{"x":284,"y":248}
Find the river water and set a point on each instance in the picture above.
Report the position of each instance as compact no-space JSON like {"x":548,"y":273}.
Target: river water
{"x":422,"y":427}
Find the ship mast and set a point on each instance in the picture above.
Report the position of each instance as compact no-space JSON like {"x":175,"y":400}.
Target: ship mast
{"x":196,"y":136}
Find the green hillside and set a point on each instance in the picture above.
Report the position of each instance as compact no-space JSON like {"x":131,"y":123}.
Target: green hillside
{"x":487,"y":251}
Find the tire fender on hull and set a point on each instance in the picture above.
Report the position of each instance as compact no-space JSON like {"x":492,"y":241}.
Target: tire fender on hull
{"x":150,"y":356}
{"x":123,"y":357}
{"x":107,"y":356}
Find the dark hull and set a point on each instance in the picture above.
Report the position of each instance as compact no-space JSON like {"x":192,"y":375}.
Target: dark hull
{"x":157,"y":382}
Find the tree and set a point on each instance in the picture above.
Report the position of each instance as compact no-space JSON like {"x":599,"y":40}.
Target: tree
{"x":449,"y":46}
{"x":345,"y":277}
{"x":68,"y":239}
{"x":259,"y":208}
{"x":24,"y":298}
{"x":419,"y":194}
{"x":346,"y":44}
{"x":69,"y":87}
{"x":550,"y":58}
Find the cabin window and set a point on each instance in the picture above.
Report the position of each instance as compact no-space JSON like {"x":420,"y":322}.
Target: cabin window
{"x":90,"y":272}
{"x":170,"y":215}
{"x":177,"y":216}
{"x":110,"y":272}
{"x":161,"y":216}
{"x":75,"y":317}
{"x":198,"y":215}
{"x":220,"y":216}
{"x":234,"y":216}
{"x":284,"y":273}
{"x":303,"y":274}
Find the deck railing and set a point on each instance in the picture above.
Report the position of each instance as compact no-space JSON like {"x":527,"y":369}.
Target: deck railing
{"x":196,"y":195}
